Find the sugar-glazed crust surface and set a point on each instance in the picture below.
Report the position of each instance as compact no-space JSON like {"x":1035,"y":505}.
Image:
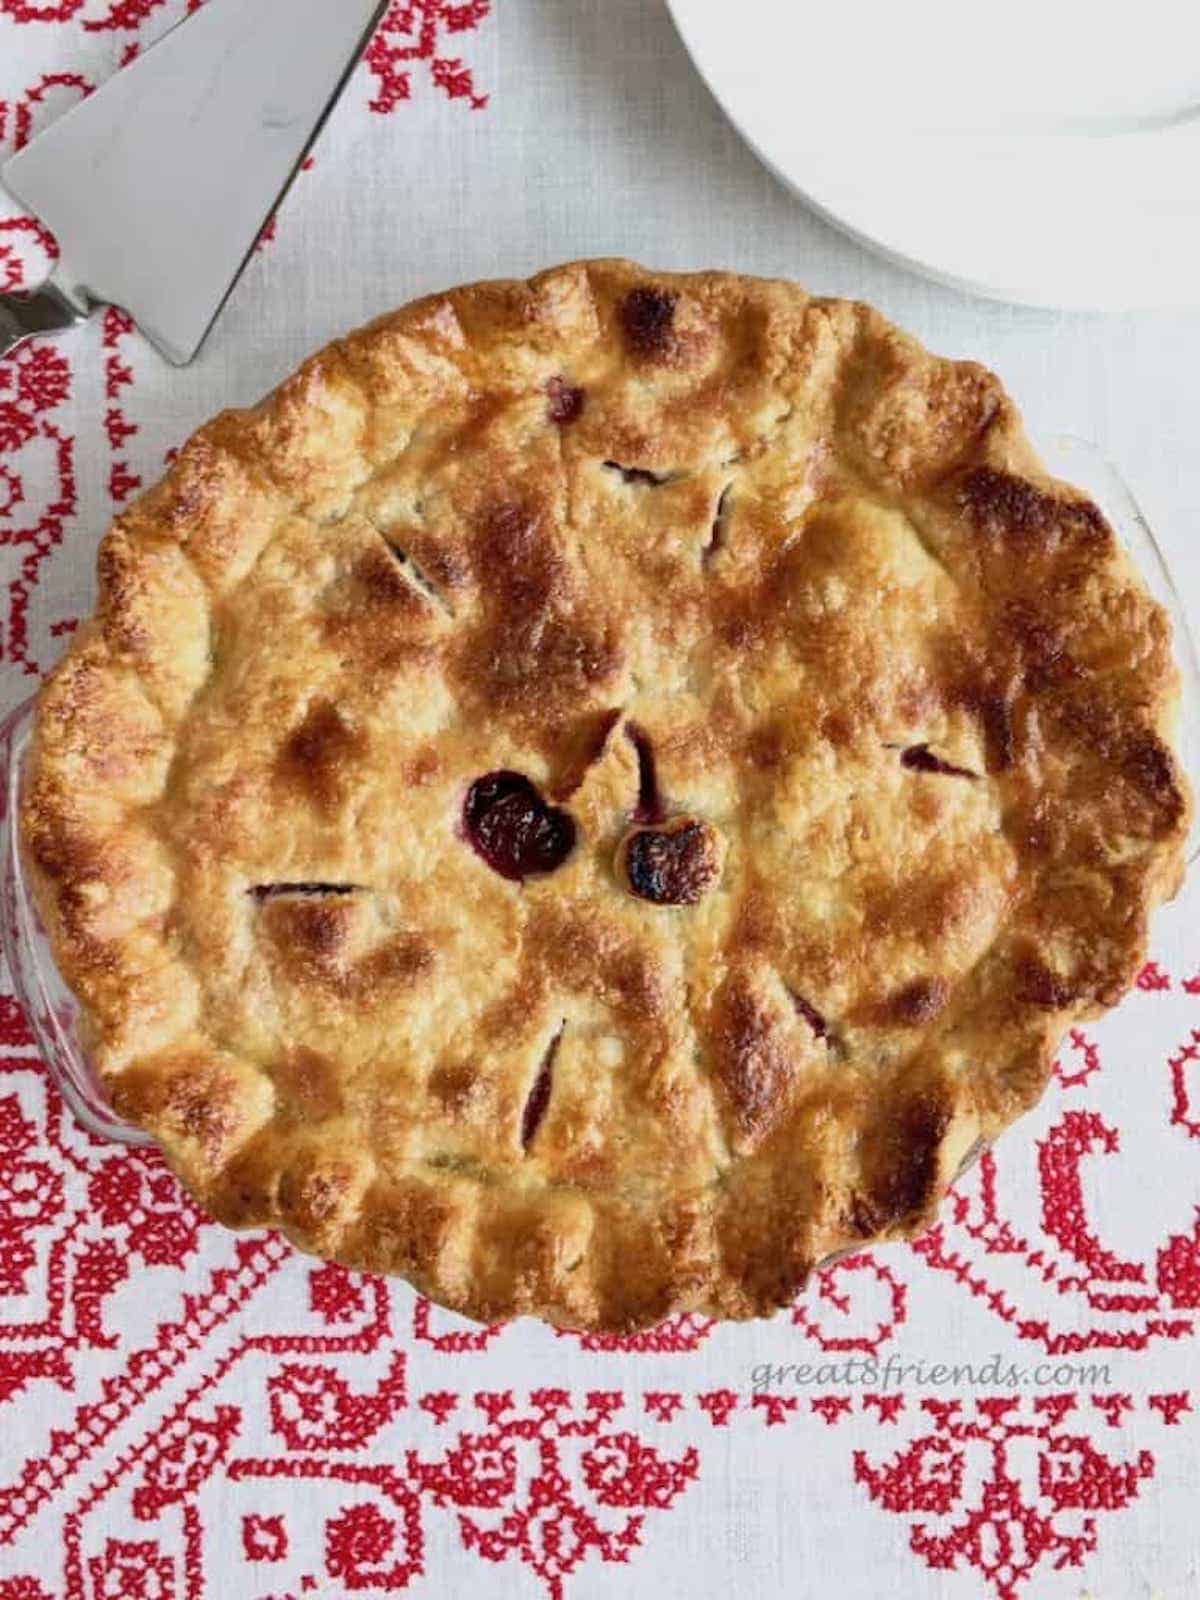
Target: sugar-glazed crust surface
{"x":601,"y":791}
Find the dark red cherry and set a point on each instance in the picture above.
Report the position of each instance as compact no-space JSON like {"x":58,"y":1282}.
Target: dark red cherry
{"x":513,"y":828}
{"x":674,"y":865}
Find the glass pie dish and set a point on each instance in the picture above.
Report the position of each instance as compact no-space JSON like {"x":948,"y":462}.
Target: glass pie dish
{"x":53,"y":1013}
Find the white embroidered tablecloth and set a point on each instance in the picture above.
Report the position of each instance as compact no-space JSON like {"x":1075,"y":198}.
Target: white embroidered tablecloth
{"x":186,"y":1413}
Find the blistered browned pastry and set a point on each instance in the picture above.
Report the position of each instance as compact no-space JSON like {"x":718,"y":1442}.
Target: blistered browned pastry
{"x":601,"y":791}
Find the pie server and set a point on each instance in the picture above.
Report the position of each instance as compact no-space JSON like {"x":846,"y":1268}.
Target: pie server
{"x":157,"y":186}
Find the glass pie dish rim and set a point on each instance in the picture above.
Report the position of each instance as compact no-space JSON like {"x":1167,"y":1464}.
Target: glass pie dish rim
{"x":52,"y":1012}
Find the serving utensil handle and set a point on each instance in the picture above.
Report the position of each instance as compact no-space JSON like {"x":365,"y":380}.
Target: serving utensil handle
{"x":41,"y":311}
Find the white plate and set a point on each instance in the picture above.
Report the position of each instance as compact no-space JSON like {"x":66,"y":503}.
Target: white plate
{"x":1046,"y":151}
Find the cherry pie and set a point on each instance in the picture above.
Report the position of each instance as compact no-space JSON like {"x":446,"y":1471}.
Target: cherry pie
{"x":601,"y":792}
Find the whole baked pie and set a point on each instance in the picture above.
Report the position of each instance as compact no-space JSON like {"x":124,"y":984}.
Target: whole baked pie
{"x":602,"y":791}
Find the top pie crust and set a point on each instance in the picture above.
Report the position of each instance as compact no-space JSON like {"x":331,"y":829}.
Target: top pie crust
{"x":594,"y":529}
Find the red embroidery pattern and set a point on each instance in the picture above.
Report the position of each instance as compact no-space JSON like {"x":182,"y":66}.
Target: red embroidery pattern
{"x":662,"y":1406}
{"x":38,"y":487}
{"x":1152,"y":979}
{"x":868,"y":1300}
{"x":512,"y":1483}
{"x":1113,"y":1407}
{"x":35,"y":384}
{"x":418,"y":33}
{"x":719,"y":1404}
{"x":1182,"y":1063}
{"x":889,"y":1406}
{"x":453,"y":1340}
{"x":312,"y":1408}
{"x":1021,"y":1512}
{"x":1178,"y":1265}
{"x":264,"y":1538}
{"x":118,"y":376}
{"x":83,"y":1227}
{"x":1172,"y":1406}
{"x":40,"y":102}
{"x":132,"y":1571}
{"x":1089,"y":1296}
{"x":412,"y":34}
{"x":46,"y":11}
{"x":676,"y":1336}
{"x":1084,"y":1058}
{"x":832,"y":1407}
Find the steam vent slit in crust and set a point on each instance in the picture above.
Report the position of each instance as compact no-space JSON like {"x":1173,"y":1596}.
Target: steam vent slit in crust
{"x":600,"y":792}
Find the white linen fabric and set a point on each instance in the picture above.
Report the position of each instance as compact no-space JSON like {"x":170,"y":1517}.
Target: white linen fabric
{"x":184,"y":1412}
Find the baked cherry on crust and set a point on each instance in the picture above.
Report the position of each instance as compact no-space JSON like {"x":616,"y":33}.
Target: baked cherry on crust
{"x":513,"y":828}
{"x":672,"y":865}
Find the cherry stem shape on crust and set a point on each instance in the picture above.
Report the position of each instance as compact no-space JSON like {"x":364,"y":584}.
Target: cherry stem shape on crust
{"x":650,"y":807}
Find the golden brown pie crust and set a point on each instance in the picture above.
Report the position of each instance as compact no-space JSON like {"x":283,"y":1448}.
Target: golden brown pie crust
{"x":904,"y":704}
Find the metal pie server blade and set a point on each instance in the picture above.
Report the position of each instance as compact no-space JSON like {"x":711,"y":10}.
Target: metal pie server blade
{"x":157,"y":186}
